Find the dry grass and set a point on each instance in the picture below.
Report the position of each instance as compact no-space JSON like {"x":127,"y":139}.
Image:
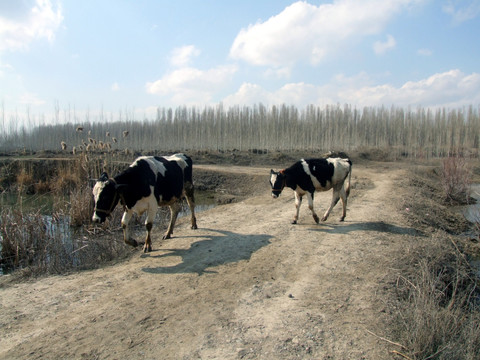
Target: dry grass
{"x":439,"y":313}
{"x":81,"y":206}
{"x":37,"y":244}
{"x":438,"y":307}
{"x":25,"y":181}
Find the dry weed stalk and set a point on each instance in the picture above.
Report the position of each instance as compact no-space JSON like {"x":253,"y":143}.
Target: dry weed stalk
{"x":456,"y":178}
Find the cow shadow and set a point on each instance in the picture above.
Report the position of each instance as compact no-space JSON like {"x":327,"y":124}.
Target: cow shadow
{"x":214,"y":250}
{"x":377,"y":226}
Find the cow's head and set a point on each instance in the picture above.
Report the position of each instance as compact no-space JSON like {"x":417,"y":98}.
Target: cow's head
{"x":106,"y":198}
{"x":277,"y":181}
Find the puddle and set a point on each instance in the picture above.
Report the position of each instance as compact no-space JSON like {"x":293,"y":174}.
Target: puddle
{"x":472,"y":212}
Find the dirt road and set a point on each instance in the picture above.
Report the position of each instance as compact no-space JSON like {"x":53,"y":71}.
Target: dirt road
{"x":246,"y":285}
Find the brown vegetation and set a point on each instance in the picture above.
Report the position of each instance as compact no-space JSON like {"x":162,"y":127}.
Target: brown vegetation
{"x":456,"y":179}
{"x":438,"y":290}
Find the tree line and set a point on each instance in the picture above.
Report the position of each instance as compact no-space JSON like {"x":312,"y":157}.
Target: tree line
{"x":419,"y":132}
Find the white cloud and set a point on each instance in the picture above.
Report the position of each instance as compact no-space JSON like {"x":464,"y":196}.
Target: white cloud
{"x":425,"y":52}
{"x":190,"y":85}
{"x":115,"y":86}
{"x":5,"y":68}
{"x":248,"y":94}
{"x":381,"y":48}
{"x":278,"y":73}
{"x":298,"y":94}
{"x":304,"y":31}
{"x":450,"y":89}
{"x":40,"y":21}
{"x":462,"y":10}
{"x":182,"y":56}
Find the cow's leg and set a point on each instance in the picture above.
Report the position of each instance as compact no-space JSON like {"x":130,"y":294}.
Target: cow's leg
{"x":148,"y":225}
{"x":174,"y":210}
{"x":298,"y":203}
{"x":335,"y":198}
{"x":344,"y":197}
{"x":127,"y":216}
{"x":191,"y":202}
{"x":310,"y":206}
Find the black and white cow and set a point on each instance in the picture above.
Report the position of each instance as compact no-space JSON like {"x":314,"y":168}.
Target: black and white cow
{"x":148,"y":183}
{"x":309,"y":175}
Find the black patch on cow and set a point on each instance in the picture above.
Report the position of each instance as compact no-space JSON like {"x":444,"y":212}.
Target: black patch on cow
{"x":170,"y":186}
{"x":138,"y":179}
{"x":188,"y":171}
{"x":296,"y":176}
{"x":321,"y":169}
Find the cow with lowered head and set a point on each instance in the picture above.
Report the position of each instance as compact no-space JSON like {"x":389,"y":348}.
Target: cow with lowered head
{"x":309,"y":175}
{"x":149,"y":182}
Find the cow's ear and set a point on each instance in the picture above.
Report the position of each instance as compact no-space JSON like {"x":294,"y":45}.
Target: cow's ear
{"x":272,"y":172}
{"x":121,"y":187}
{"x":103,"y":177}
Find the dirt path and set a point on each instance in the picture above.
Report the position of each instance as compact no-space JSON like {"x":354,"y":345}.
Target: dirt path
{"x":247,"y":284}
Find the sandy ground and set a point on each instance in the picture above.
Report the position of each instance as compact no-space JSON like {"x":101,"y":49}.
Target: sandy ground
{"x":246,"y":285}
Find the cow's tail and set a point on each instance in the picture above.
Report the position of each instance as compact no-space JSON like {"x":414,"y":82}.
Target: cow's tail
{"x":347,"y":188}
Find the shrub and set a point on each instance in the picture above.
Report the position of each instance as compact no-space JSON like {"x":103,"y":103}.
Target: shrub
{"x":81,"y":205}
{"x":456,"y":179}
{"x":25,"y":182}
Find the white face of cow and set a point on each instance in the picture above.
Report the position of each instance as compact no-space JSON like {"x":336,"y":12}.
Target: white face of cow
{"x":277,"y":182}
{"x":104,"y":194}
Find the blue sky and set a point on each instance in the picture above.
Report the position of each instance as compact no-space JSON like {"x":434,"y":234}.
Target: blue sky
{"x":106,"y":57}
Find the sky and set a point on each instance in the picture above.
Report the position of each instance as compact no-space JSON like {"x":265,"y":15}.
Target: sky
{"x":99,"y":59}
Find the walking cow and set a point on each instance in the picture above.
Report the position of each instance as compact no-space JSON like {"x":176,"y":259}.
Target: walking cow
{"x":309,"y":175}
{"x":149,"y":182}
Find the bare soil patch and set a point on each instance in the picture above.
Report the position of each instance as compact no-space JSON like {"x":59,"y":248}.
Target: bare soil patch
{"x":246,"y":285}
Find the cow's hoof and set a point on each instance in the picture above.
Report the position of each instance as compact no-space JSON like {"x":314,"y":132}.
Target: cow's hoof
{"x":317,"y":220}
{"x":342,"y":219}
{"x":167,"y":236}
{"x":324,"y":218}
{"x":294,"y":222}
{"x":194,"y":227}
{"x":147,"y":249}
